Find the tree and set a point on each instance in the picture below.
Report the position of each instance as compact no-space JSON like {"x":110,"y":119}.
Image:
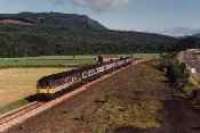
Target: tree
{"x":177,"y":74}
{"x":100,"y":59}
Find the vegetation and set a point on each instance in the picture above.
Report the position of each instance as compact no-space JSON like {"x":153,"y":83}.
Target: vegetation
{"x":190,"y":42}
{"x":100,"y":59}
{"x":176,"y":71}
{"x":61,"y":34}
{"x":14,"y":105}
{"x":146,"y":55}
{"x":47,"y":61}
{"x":70,"y":34}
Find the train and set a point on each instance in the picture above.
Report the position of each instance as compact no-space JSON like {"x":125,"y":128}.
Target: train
{"x":50,"y":85}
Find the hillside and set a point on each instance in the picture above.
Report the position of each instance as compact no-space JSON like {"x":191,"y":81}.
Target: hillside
{"x":197,"y":35}
{"x":33,"y":34}
{"x":189,"y":42}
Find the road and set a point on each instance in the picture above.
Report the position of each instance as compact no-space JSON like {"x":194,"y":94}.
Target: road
{"x":192,"y":59}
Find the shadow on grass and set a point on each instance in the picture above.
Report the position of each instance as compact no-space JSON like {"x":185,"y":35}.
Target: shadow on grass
{"x":42,"y":97}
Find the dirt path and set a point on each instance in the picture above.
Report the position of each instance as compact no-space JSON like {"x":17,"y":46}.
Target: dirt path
{"x":181,"y":118}
{"x":137,"y":100}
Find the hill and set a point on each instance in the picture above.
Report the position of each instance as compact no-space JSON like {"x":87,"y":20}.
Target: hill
{"x":189,"y":42}
{"x":33,"y":34}
{"x":181,"y":31}
{"x":196,"y":35}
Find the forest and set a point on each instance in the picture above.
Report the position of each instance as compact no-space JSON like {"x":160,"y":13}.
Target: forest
{"x":69,"y":34}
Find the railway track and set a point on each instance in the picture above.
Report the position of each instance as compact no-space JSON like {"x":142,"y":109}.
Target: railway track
{"x":12,"y":116}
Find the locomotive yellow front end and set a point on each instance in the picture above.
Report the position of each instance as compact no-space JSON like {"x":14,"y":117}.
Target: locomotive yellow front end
{"x":45,"y":91}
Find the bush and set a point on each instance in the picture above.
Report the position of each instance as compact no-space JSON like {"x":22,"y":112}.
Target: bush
{"x":175,"y":71}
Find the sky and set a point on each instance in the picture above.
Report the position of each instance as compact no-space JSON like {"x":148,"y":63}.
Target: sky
{"x":139,"y":15}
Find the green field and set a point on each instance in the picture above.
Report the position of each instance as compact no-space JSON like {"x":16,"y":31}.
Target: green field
{"x":47,"y":61}
{"x":62,"y":61}
{"x":146,"y":55}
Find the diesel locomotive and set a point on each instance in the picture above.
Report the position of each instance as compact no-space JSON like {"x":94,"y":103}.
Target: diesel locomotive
{"x":52,"y":84}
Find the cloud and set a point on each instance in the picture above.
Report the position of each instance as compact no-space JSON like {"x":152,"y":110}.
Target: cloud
{"x":96,"y":5}
{"x":100,"y":4}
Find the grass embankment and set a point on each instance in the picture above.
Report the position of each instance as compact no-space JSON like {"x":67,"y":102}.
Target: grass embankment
{"x":130,"y":99}
{"x":46,"y":61}
{"x":13,"y":106}
{"x":192,"y":85}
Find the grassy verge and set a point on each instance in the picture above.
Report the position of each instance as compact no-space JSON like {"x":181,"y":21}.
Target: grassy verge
{"x":12,"y":106}
{"x":192,"y":85}
{"x":126,"y":100}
